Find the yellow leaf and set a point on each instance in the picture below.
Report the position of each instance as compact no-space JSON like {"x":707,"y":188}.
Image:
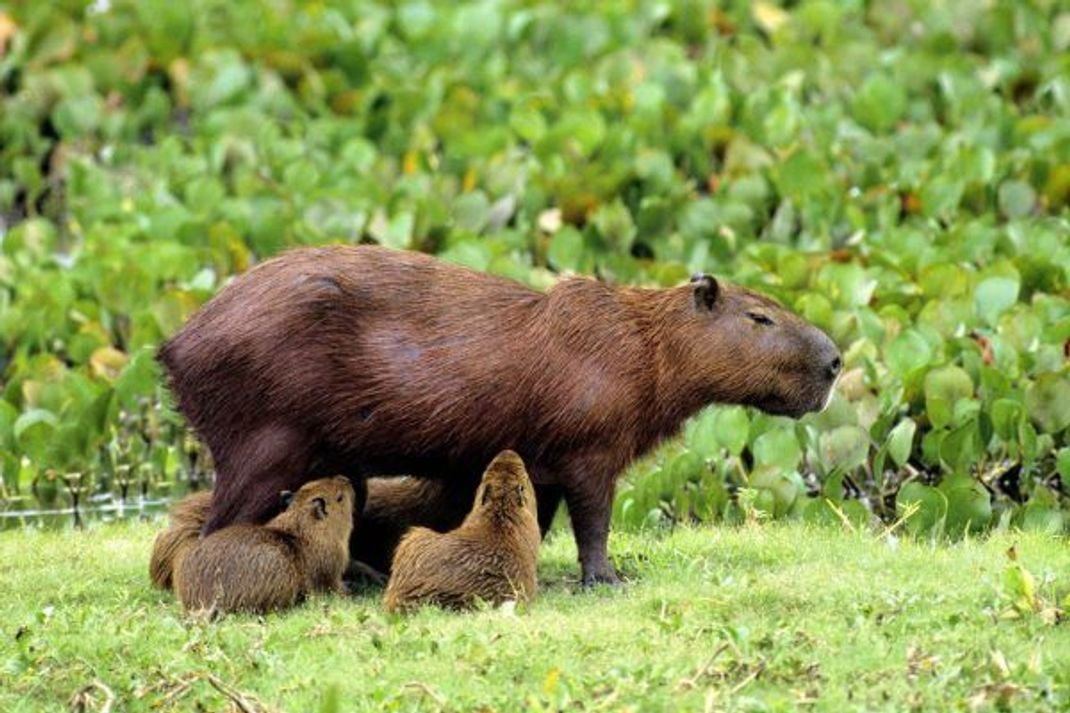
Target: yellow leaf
{"x":768,"y":16}
{"x":178,"y":71}
{"x":469,"y":181}
{"x":107,"y":362}
{"x":8,"y":28}
{"x":552,"y":678}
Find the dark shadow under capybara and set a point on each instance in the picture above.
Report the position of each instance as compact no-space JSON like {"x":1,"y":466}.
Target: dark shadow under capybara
{"x":396,"y":504}
{"x":262,"y":568}
{"x":364,"y":360}
{"x":491,"y":557}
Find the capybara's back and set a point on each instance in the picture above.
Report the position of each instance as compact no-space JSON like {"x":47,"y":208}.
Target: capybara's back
{"x":491,"y":557}
{"x":262,"y":568}
{"x":184,"y":529}
{"x":241,"y":568}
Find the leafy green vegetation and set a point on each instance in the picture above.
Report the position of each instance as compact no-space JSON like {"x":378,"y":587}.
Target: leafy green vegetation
{"x":898,"y":171}
{"x":775,"y":617}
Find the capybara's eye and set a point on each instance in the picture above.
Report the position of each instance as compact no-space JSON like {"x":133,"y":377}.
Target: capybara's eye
{"x":759,"y":318}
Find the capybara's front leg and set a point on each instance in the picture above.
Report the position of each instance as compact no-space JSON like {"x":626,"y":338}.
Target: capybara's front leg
{"x":589,"y":508}
{"x":251,"y":474}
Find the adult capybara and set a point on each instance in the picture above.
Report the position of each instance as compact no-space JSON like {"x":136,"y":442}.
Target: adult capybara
{"x":186,"y":520}
{"x":262,"y":568}
{"x":365,"y":360}
{"x":491,"y":557}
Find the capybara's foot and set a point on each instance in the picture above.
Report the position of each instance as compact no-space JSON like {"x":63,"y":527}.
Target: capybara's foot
{"x":602,"y":575}
{"x":359,"y":576}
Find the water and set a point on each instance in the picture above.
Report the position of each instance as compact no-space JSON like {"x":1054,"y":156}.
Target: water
{"x":17,"y":514}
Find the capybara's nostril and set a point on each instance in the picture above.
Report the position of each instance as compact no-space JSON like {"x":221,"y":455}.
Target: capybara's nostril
{"x":834,"y":366}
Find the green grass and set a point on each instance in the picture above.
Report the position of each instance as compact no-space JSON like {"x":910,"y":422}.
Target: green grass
{"x":773,"y":617}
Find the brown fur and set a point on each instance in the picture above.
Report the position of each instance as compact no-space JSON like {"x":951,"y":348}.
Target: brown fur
{"x":490,"y":557}
{"x":186,"y":519}
{"x":365,"y":361}
{"x":261,"y":568}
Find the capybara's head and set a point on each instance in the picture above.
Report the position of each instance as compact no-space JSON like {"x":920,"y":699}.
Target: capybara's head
{"x":324,"y":505}
{"x":506,"y":487}
{"x":749,"y":350}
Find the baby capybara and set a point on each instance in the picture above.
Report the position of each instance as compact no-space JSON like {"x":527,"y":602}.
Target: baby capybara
{"x":491,"y":557}
{"x":364,"y":360}
{"x":262,"y":568}
{"x":186,"y":520}
{"x":393,"y":505}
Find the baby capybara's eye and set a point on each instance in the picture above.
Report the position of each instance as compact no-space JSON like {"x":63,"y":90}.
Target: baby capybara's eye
{"x":759,"y":318}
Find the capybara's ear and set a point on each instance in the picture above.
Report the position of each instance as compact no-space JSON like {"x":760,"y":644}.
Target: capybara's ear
{"x":706,"y":290}
{"x":287,"y":497}
{"x":319,"y":508}
{"x":521,"y":495}
{"x":486,"y":494}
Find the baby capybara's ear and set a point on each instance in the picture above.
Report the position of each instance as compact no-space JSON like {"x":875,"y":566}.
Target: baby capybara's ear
{"x":344,"y":486}
{"x":521,"y":495}
{"x":706,"y":290}
{"x":319,"y":508}
{"x":287,"y":497}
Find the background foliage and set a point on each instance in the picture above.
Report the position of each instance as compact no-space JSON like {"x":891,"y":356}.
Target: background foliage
{"x":897,"y":171}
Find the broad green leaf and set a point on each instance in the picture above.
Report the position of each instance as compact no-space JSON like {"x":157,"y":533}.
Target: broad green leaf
{"x":944,"y":388}
{"x":900,"y":441}
{"x":969,"y":506}
{"x":845,"y":447}
{"x":1062,"y":460}
{"x":471,"y":211}
{"x":923,"y":506}
{"x":1006,"y":416}
{"x":778,"y":448}
{"x":785,"y":487}
{"x":1042,"y":518}
{"x":733,"y":428}
{"x":1016,"y":199}
{"x":8,"y":416}
{"x":33,"y":432}
{"x":879,"y":103}
{"x":138,"y":379}
{"x":1047,"y":400}
{"x":566,"y":249}
{"x":907,"y":352}
{"x":961,"y":446}
{"x":994,"y":295}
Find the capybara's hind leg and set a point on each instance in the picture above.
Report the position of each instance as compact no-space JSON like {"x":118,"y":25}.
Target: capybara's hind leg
{"x":251,"y":475}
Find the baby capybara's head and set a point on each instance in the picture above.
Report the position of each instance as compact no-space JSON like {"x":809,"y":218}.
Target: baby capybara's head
{"x":749,"y":350}
{"x":321,"y":506}
{"x":506,"y":488}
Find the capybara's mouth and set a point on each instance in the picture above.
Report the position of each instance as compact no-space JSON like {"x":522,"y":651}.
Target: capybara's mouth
{"x":814,"y":402}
